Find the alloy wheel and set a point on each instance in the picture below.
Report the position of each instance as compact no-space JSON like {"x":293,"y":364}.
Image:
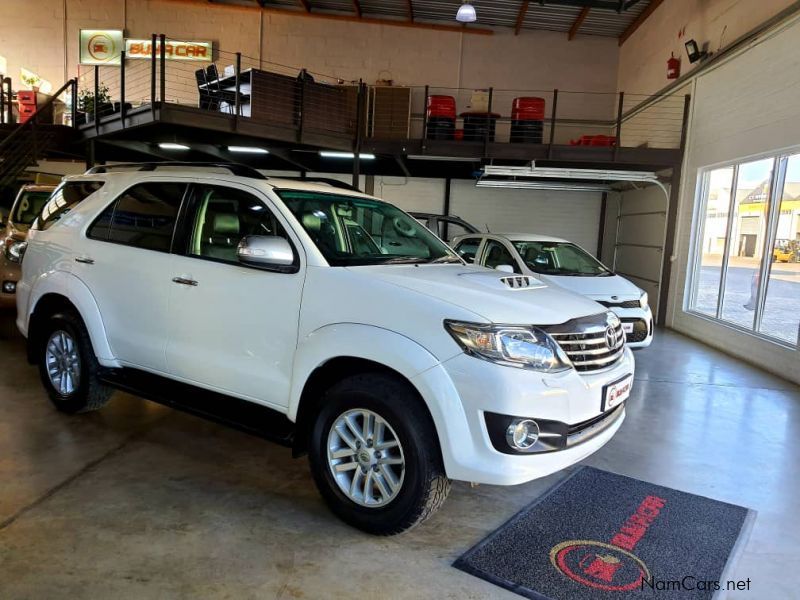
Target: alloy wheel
{"x":63,"y":362}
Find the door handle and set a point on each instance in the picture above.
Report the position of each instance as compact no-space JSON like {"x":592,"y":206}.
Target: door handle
{"x":184,"y":281}
{"x":84,"y":260}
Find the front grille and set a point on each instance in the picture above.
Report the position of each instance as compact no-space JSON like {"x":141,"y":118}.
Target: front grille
{"x":639,"y":332}
{"x":624,"y":304}
{"x":588,"y":343}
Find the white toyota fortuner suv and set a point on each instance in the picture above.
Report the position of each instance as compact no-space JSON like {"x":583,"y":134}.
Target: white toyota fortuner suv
{"x":321,"y":318}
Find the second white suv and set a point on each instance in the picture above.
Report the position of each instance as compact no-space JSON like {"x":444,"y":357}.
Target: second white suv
{"x":324,"y":319}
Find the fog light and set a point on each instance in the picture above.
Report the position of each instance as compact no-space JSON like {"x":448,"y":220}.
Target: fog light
{"x":9,"y":287}
{"x":522,"y":434}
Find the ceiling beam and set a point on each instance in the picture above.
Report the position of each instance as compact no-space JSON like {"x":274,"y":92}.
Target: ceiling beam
{"x":573,"y":31}
{"x":523,"y":9}
{"x":289,"y":12}
{"x":357,"y":8}
{"x":410,"y":10}
{"x":645,"y":14}
{"x":306,"y":5}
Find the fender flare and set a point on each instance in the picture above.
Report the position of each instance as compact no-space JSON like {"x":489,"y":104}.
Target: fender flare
{"x":66,"y":285}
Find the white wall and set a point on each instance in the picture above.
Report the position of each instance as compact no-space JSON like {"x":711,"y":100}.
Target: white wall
{"x":643,"y":57}
{"x":747,"y":106}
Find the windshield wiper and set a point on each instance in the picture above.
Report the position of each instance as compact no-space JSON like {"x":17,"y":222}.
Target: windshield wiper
{"x":446,"y":259}
{"x":403,"y":260}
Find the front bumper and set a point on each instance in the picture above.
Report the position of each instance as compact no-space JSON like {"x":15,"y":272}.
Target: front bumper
{"x":9,"y":272}
{"x":467,"y":388}
{"x":642,"y":321}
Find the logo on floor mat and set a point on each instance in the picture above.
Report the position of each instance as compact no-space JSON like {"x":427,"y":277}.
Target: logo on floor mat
{"x":611,"y":567}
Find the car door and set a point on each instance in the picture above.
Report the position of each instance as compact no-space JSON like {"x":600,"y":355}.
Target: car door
{"x":495,"y":253}
{"x":233,"y":328}
{"x":125,"y":261}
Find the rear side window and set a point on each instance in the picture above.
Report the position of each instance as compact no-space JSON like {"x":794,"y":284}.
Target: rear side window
{"x":144,"y":217}
{"x":66,"y":197}
{"x":467,"y":249}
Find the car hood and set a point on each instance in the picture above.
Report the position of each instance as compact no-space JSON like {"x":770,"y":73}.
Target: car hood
{"x":598,"y":288}
{"x":496,"y":296}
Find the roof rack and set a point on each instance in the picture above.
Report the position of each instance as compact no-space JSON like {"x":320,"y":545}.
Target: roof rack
{"x":327,"y":180}
{"x":237,"y":169}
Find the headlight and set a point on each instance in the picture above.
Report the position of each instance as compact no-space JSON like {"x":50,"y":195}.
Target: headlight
{"x":15,"y":250}
{"x":643,"y":300}
{"x":510,"y":345}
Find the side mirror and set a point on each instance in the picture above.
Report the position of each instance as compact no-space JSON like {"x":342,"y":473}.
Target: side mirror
{"x":504,"y":268}
{"x":268,"y":252}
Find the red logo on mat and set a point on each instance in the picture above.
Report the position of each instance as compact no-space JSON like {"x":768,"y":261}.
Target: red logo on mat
{"x":611,"y":567}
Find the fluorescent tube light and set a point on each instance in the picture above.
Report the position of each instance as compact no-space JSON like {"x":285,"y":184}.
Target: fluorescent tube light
{"x":350,"y":155}
{"x":172,"y":146}
{"x":248,"y":149}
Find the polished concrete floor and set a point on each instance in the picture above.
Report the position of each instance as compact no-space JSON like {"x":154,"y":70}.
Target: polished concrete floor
{"x":138,"y":501}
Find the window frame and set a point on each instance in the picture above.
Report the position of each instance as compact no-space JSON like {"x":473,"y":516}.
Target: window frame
{"x":774,"y":199}
{"x":116,"y":199}
{"x":185,"y":226}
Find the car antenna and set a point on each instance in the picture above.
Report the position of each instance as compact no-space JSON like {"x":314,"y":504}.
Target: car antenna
{"x":487,"y":227}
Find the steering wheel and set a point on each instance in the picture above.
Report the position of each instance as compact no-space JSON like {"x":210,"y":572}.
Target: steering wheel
{"x":403,"y":227}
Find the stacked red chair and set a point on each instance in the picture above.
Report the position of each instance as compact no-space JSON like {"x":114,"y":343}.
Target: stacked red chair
{"x":527,"y":120}
{"x":441,"y":117}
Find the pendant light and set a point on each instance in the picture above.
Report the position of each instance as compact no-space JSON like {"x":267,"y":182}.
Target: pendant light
{"x":466,"y":13}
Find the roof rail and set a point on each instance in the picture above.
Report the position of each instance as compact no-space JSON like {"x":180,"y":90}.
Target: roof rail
{"x":331,"y":182}
{"x":237,"y":169}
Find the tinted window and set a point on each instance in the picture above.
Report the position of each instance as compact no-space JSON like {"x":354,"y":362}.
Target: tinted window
{"x":467,"y":249}
{"x":497,"y":254}
{"x":222,"y":216}
{"x":143,"y":217}
{"x":64,"y":199}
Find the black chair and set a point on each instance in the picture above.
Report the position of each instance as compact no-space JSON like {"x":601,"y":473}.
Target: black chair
{"x":227,"y":96}
{"x":207,"y":100}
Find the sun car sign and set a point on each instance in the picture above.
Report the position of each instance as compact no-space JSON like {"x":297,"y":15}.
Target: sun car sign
{"x":173,"y":50}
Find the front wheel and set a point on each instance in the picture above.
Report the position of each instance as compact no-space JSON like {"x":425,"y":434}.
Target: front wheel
{"x":374,"y":455}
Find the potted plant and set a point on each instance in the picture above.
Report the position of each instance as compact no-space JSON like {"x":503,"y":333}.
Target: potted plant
{"x":88,"y":104}
{"x":32,"y":80}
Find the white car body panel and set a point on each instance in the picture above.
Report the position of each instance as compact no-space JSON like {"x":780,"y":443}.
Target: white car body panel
{"x":259,"y":335}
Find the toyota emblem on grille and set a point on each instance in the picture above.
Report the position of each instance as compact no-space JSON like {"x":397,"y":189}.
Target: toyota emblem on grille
{"x":611,"y":337}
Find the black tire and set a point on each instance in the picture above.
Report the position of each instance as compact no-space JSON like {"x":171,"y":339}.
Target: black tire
{"x":424,"y":487}
{"x":90,"y":393}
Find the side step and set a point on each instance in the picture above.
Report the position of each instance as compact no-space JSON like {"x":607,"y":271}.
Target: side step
{"x":245,"y":416}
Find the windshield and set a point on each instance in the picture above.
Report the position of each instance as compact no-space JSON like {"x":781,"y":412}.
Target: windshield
{"x":353,"y":231}
{"x":560,"y":258}
{"x":28,"y":207}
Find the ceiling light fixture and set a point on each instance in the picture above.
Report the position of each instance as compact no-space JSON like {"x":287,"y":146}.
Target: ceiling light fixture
{"x":350,"y":155}
{"x":466,"y":13}
{"x":172,"y":146}
{"x":534,"y":172}
{"x":248,"y":150}
{"x":561,"y":186}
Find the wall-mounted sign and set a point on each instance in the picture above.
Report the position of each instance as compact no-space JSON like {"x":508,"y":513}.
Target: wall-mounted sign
{"x":173,"y":50}
{"x":100,"y":46}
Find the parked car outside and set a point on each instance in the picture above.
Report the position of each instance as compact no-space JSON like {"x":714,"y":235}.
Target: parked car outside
{"x":447,"y":227}
{"x":565,"y":264}
{"x":29,"y":201}
{"x":325,"y":319}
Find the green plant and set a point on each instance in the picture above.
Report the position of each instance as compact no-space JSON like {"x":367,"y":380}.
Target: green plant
{"x":31,"y":80}
{"x":87,"y":101}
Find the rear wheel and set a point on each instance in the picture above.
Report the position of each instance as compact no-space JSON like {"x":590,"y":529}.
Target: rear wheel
{"x":68,"y":367}
{"x":374,"y":455}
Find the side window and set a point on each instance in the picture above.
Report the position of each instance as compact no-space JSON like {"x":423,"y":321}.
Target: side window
{"x":467,"y":249}
{"x":222,"y":216}
{"x":64,"y":199}
{"x":497,"y":254}
{"x":144,"y":217}
{"x":451,"y":229}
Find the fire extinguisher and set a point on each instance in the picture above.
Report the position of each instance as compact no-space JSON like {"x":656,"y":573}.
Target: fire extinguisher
{"x":673,"y":66}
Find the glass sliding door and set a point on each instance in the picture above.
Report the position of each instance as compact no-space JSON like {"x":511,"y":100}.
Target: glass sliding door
{"x":780,"y":317}
{"x":748,"y":235}
{"x":718,"y":187}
